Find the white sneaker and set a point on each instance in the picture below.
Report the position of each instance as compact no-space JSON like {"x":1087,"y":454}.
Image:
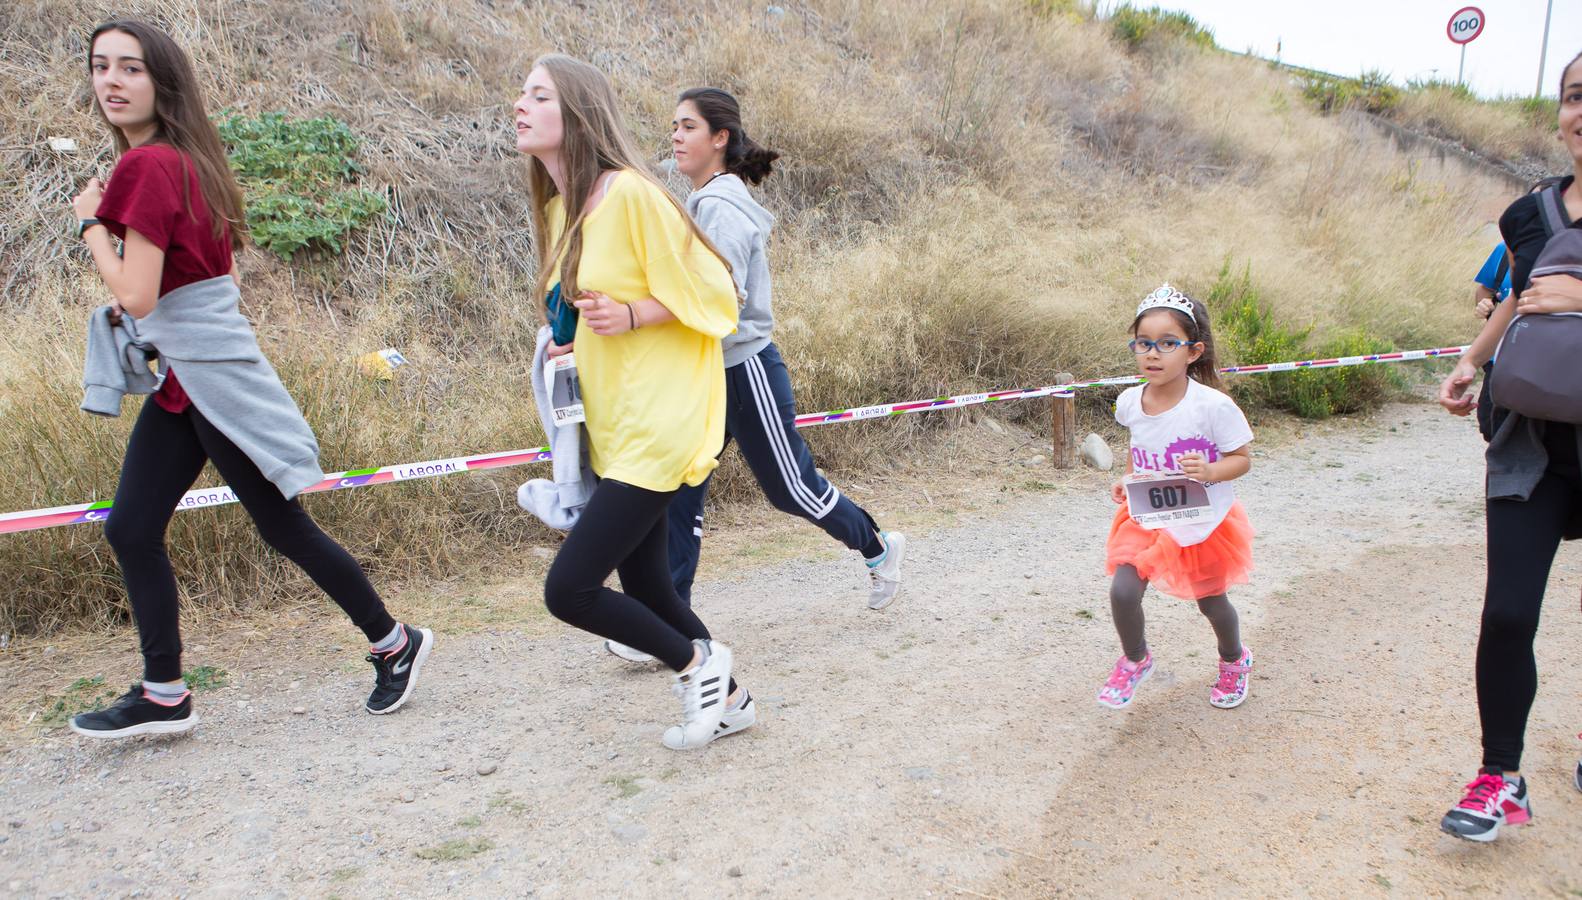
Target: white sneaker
{"x":630,"y":654}
{"x":885,"y":578}
{"x":740,"y":717}
{"x":736,"y":719}
{"x":702,"y":690}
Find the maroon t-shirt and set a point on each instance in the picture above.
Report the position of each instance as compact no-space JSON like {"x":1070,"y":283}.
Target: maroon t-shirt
{"x":145,"y":194}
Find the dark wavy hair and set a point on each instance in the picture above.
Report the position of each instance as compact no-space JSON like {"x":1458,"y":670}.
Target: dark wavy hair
{"x":181,"y":122}
{"x":744,"y":157}
{"x":1563,"y":70}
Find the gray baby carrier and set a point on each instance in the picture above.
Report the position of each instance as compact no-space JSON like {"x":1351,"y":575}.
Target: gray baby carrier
{"x":1537,"y":372}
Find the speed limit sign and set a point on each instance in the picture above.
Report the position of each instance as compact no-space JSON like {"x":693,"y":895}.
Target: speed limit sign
{"x":1465,"y":25}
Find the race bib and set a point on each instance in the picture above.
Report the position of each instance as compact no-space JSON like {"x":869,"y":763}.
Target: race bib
{"x":1159,"y":501}
{"x":565,"y":392}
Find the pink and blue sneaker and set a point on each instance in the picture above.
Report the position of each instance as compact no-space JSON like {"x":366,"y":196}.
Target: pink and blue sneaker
{"x":1491,"y":800}
{"x":1231,"y":688}
{"x":1122,"y":684}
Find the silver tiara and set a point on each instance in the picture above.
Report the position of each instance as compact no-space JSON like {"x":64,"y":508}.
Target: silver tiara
{"x":1166,"y":297}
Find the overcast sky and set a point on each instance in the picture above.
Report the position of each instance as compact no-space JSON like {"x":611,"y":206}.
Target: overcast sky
{"x":1404,"y":38}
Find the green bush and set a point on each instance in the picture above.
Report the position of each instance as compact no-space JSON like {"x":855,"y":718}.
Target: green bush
{"x":1075,"y":10}
{"x":300,"y":180}
{"x":1459,"y":91}
{"x":1135,"y":27}
{"x":1248,"y":335}
{"x":1332,"y":93}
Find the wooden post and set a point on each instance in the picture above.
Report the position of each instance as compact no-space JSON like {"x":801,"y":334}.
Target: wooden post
{"x":1064,"y":451}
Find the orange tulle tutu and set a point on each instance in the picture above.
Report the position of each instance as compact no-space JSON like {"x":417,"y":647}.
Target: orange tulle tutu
{"x":1191,"y":573}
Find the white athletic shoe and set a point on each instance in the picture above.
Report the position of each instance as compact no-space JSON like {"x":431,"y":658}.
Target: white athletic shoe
{"x":630,"y":654}
{"x":885,"y":578}
{"x":702,"y":690}
{"x":736,"y":719}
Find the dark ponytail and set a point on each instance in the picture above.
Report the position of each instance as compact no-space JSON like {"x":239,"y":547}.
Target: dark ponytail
{"x":744,"y":157}
{"x":1198,"y":330}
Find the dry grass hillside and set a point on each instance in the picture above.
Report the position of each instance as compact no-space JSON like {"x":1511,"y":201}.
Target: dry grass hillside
{"x":973,"y":194}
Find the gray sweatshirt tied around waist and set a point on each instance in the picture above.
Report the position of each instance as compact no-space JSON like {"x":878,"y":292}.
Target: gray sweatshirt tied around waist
{"x":739,"y":228}
{"x":199,"y":330}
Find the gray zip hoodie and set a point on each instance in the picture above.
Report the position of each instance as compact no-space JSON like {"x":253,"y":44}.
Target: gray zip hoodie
{"x":199,"y":329}
{"x":739,"y":227}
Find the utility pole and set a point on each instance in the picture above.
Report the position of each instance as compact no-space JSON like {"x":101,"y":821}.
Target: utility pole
{"x":1543,"y":50}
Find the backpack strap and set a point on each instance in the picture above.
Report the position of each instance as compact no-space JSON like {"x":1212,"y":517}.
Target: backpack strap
{"x":1551,"y":208}
{"x":1501,"y":270}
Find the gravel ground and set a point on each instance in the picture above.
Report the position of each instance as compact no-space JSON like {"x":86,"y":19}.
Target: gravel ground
{"x":947,"y":746}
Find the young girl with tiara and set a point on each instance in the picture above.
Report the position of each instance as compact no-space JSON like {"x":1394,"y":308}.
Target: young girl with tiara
{"x":1197,"y":541}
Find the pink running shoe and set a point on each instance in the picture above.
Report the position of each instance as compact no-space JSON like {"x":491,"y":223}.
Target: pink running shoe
{"x":1117,"y":692}
{"x":1491,"y":800}
{"x":1231,"y":688}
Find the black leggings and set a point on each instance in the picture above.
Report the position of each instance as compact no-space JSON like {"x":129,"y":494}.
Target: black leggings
{"x":163,"y":458}
{"x":622,"y":529}
{"x":1522,"y":538}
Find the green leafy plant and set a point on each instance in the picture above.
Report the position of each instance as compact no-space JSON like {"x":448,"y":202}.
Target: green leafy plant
{"x":1248,"y":334}
{"x":300,"y":180}
{"x":82,"y":695}
{"x":205,"y":678}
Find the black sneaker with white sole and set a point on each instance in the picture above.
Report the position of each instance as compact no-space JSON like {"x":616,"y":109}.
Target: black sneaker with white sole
{"x":134,"y":714}
{"x":396,"y":672}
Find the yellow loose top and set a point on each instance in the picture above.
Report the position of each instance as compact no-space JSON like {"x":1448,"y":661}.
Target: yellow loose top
{"x":655,"y":397}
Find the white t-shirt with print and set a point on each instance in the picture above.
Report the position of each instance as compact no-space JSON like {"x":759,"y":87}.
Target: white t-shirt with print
{"x":1205,"y":421}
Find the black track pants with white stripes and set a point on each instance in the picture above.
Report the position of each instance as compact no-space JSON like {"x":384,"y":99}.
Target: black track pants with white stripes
{"x":760,"y":415}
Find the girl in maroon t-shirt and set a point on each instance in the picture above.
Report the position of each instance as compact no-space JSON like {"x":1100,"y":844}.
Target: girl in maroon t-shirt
{"x":178,"y":212}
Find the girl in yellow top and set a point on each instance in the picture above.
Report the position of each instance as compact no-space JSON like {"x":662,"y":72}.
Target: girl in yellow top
{"x":653,"y":300}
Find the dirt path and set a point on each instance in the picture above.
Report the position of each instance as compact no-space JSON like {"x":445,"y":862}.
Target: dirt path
{"x":948,"y":746}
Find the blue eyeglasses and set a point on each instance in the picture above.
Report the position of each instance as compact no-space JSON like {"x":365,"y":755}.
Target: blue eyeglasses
{"x":1168,"y":345}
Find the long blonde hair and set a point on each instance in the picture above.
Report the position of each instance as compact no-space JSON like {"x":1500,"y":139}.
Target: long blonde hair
{"x":594,"y":139}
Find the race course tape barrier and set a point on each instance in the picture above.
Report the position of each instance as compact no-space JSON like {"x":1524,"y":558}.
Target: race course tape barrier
{"x":33,"y":519}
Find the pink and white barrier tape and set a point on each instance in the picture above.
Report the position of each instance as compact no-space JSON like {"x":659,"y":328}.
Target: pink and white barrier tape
{"x":1065,"y":390}
{"x":32,"y":519}
{"x":205,"y":497}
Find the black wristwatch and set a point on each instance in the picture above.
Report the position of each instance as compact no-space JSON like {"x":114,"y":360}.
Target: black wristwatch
{"x":85,"y":224}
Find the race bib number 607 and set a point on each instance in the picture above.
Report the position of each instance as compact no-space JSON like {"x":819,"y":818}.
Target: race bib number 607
{"x":1164,"y":500}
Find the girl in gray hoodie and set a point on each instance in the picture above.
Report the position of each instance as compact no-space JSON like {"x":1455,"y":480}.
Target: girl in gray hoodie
{"x":713,"y":150}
